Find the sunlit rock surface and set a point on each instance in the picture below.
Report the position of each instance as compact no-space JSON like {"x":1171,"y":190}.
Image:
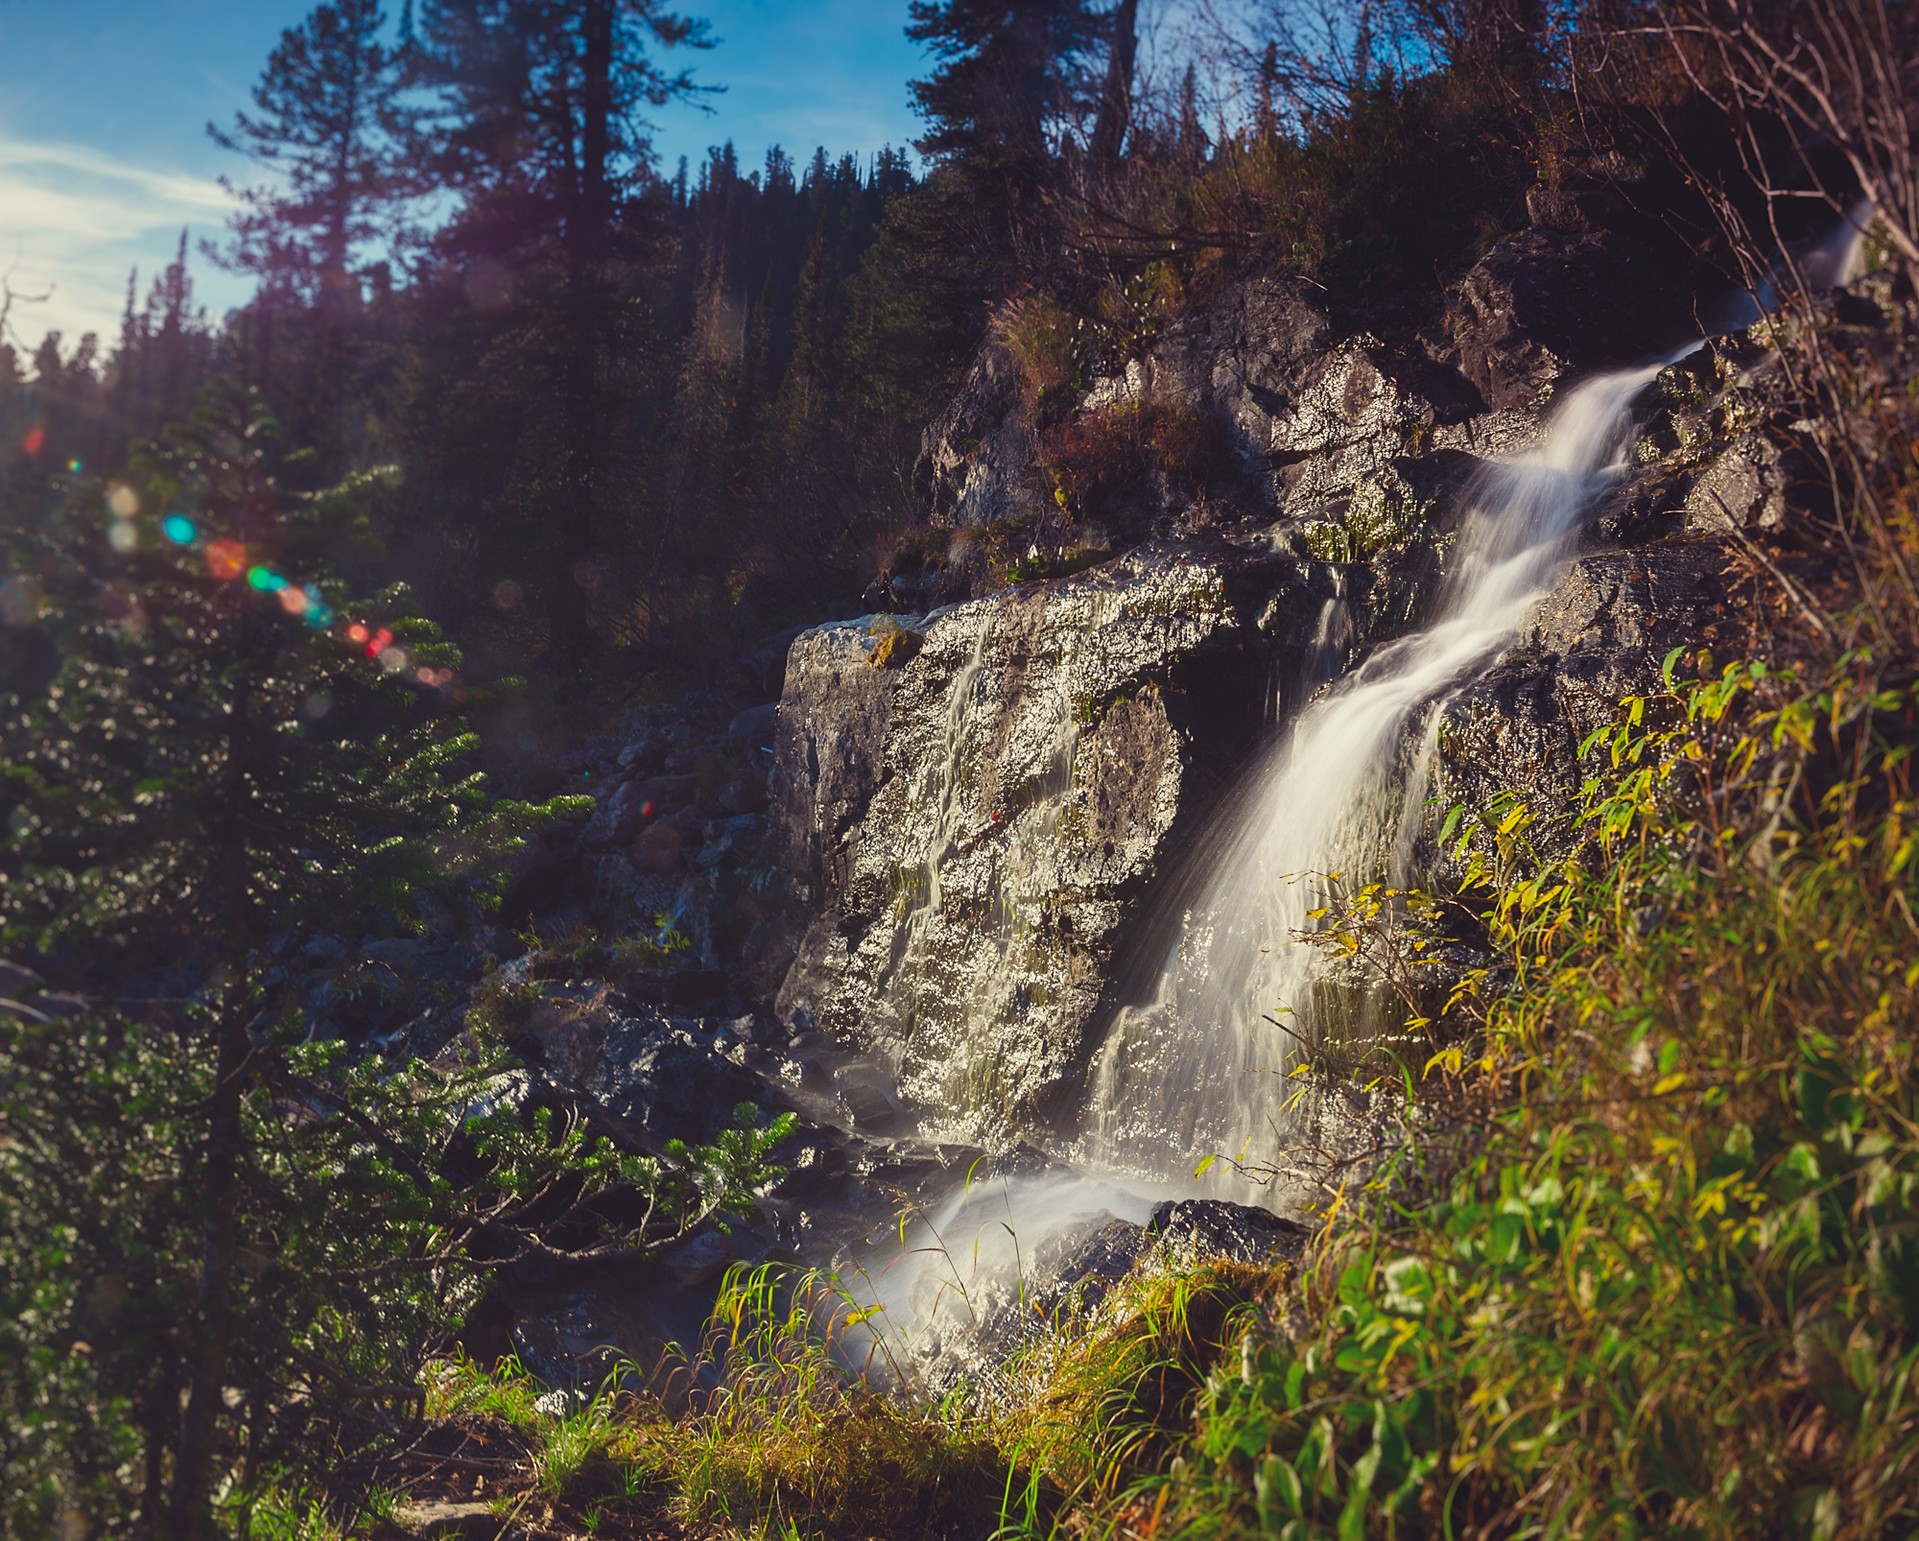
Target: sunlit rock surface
{"x":975,"y":824}
{"x":1602,"y":634}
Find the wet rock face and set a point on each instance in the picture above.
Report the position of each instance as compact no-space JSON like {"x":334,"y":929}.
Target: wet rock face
{"x":981,"y":818}
{"x":1601,"y":635}
{"x":827,"y":746}
{"x":1190,"y":1230}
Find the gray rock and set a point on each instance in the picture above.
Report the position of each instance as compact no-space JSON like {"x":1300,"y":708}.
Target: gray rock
{"x":443,"y":1518}
{"x":400,"y":953}
{"x":832,"y":727}
{"x":976,"y":461}
{"x":979,"y":822}
{"x":1543,"y":302}
{"x":755,"y":727}
{"x":1601,"y":635}
{"x":1745,"y":487}
{"x":1192,"y":1230}
{"x":667,"y":1076}
{"x":1076,"y":1272}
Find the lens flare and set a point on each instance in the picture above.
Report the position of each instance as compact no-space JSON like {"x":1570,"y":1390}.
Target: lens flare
{"x":226,"y":559}
{"x":122,"y":536}
{"x":293,"y":601}
{"x":356,"y":633}
{"x":75,"y":467}
{"x":123,"y":500}
{"x":265,"y":579}
{"x":35,"y":441}
{"x":393,"y":660}
{"x":178,"y":529}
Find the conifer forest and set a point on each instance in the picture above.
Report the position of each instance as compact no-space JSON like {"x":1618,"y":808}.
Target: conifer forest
{"x":1182,"y":810}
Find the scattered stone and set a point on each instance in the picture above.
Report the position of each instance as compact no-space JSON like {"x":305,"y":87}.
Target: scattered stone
{"x":429,"y":1521}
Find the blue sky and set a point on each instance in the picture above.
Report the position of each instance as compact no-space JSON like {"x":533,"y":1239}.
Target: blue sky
{"x":103,"y":107}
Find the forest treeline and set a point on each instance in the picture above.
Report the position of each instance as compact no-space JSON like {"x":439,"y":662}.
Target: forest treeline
{"x":635,"y":411}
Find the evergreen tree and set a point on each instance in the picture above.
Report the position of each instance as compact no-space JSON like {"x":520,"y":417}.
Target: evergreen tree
{"x":228,"y":758}
{"x":1007,"y":82}
{"x":326,"y":122}
{"x":539,"y":131}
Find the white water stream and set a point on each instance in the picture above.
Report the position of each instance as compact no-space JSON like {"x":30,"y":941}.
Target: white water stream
{"x":1197,"y":1070}
{"x":1197,"y":1067}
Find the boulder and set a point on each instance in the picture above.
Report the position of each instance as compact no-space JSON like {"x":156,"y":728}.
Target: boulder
{"x":755,"y":727}
{"x":1745,"y":488}
{"x":670,"y":1077}
{"x":1075,"y":1272}
{"x":975,"y":826}
{"x":1544,"y":302}
{"x":976,"y":463}
{"x":1193,"y":1230}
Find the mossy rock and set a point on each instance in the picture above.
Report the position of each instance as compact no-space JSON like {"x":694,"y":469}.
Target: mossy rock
{"x":1381,"y":513}
{"x":896,"y":649}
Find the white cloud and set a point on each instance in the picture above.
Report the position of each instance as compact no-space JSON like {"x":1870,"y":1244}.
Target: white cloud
{"x":74,"y":220}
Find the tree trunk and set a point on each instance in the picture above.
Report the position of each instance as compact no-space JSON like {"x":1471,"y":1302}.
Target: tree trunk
{"x":188,"y":1517}
{"x":1116,"y":96}
{"x":587,"y":228}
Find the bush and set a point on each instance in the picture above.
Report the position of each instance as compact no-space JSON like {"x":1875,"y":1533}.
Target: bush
{"x":1672,"y":1290}
{"x":1094,"y":460}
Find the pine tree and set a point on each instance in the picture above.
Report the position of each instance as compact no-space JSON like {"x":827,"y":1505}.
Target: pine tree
{"x":539,"y":131}
{"x":326,"y":124}
{"x":1007,"y":82}
{"x":229,"y":757}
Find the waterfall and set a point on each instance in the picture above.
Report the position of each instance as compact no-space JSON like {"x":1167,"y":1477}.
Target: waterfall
{"x":1197,"y":1068}
{"x":1196,"y":1065}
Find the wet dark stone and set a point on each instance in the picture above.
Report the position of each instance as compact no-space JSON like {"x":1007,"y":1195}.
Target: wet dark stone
{"x":1195,"y":1229}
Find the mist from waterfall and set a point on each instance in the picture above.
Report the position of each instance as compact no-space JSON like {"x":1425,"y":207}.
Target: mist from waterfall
{"x":1198,"y":1069}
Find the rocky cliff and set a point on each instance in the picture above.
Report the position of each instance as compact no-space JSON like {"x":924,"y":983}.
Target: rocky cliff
{"x":975,"y":824}
{"x":970,"y":804}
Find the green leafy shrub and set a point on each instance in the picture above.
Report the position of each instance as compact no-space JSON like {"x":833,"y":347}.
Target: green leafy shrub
{"x":1670,"y":1291}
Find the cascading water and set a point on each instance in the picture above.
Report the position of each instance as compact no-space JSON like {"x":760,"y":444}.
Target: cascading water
{"x":1197,"y":1069}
